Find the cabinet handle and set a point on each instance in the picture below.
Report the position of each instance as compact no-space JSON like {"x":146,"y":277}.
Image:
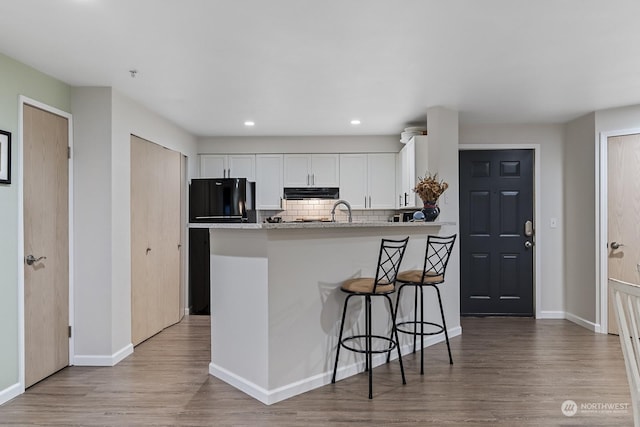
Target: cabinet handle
{"x":400,"y":200}
{"x":365,"y":202}
{"x":281,"y":203}
{"x":369,"y":202}
{"x":406,"y":202}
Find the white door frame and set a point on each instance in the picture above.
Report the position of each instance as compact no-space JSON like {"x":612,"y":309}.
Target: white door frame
{"x":537,"y":216}
{"x":602,"y":237}
{"x":21,"y":339}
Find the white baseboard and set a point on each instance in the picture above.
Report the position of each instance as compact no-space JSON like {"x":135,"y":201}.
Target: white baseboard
{"x":551,"y":315}
{"x":269,"y":397}
{"x":10,"y":392}
{"x":582,"y":322}
{"x":114,"y":359}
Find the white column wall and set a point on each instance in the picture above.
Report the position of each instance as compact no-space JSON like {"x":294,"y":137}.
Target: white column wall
{"x":443,"y":126}
{"x":92,"y":216}
{"x":106,"y":120}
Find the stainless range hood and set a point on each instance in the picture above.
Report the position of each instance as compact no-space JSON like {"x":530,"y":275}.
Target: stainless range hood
{"x":302,"y":193}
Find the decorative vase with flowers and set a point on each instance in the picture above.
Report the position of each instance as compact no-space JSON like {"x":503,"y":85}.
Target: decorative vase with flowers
{"x":429,"y":189}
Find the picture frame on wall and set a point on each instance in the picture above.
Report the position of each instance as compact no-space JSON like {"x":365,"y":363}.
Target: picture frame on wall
{"x":5,"y":157}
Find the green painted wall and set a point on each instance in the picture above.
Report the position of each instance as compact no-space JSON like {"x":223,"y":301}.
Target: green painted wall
{"x":17,"y":79}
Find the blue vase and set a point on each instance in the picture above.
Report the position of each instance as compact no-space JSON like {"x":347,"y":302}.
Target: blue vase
{"x":430,"y":211}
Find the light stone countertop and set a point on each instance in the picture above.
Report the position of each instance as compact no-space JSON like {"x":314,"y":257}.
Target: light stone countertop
{"x":312,"y":225}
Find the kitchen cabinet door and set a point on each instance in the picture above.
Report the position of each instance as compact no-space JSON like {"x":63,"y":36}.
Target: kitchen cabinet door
{"x":241,"y":166}
{"x":407,"y":175}
{"x":213,"y":166}
{"x":297,"y":170}
{"x":325,"y":170}
{"x":228,"y":166}
{"x":311,"y":170}
{"x":353,"y":179}
{"x":269,"y":181}
{"x":381,"y":181}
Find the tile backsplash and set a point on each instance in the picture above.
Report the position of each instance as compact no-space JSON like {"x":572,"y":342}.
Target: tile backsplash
{"x":321,"y":209}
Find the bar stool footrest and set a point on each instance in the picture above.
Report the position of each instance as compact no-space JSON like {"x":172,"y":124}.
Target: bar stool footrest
{"x":392,"y":343}
{"x":439,"y":330}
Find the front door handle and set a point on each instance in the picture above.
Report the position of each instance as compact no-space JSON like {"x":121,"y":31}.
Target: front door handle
{"x":30,"y":259}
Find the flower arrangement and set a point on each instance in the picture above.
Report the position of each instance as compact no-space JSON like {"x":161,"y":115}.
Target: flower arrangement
{"x":430,"y":188}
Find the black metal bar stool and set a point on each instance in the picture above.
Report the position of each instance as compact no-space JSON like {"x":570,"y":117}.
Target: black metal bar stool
{"x":436,"y":258}
{"x":389,"y":259}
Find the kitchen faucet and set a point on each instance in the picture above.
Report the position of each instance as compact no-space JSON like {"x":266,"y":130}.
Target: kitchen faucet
{"x":333,"y":210}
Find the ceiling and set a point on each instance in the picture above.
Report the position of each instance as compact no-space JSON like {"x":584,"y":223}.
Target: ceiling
{"x":303,"y":67}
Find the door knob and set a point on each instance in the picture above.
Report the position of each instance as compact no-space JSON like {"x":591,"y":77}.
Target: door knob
{"x":616,"y":245}
{"x":30,"y":259}
{"x":528,"y":244}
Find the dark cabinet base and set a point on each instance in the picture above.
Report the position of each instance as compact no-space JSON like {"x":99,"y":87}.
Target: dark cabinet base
{"x":199,"y":271}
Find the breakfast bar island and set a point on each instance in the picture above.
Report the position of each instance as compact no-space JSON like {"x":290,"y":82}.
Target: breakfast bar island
{"x":276,"y":301}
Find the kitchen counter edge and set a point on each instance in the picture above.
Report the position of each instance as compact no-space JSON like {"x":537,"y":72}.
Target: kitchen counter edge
{"x":312,"y":225}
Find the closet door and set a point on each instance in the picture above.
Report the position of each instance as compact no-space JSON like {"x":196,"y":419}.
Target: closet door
{"x":145,"y":320}
{"x":155,"y":238}
{"x":169,"y":236}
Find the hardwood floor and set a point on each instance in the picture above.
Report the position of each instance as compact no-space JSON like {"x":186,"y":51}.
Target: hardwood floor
{"x":506,"y":372}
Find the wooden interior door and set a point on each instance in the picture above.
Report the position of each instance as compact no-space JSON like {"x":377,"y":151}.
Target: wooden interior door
{"x":155,"y":238}
{"x":623,"y":189}
{"x":46,"y":238}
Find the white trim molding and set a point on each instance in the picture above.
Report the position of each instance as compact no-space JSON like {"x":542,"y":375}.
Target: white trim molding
{"x":537,"y":214}
{"x":594,"y":327}
{"x":543,"y":314}
{"x":10,"y":392}
{"x":112,"y":360}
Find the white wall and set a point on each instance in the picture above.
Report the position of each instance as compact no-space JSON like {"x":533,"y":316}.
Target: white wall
{"x":300,"y":144}
{"x":106,"y":120}
{"x":580,"y":227}
{"x":550,"y":138}
{"x":92,"y":216}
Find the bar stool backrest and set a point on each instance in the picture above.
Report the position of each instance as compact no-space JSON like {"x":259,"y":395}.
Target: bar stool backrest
{"x":437,"y":255}
{"x":389,"y":259}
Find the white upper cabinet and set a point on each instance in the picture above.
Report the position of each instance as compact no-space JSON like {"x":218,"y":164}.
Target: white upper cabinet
{"x":311,"y":170}
{"x":213,"y":166}
{"x":269,"y":181}
{"x":407,"y":176}
{"x":228,"y":166}
{"x":368,"y":181}
{"x":353,"y":180}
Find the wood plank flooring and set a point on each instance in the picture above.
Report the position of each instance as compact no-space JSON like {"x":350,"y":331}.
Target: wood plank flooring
{"x":506,"y":372}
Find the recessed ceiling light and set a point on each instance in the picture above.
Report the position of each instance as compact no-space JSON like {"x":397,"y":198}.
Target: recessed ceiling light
{"x":249,"y":123}
{"x":355,"y":122}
